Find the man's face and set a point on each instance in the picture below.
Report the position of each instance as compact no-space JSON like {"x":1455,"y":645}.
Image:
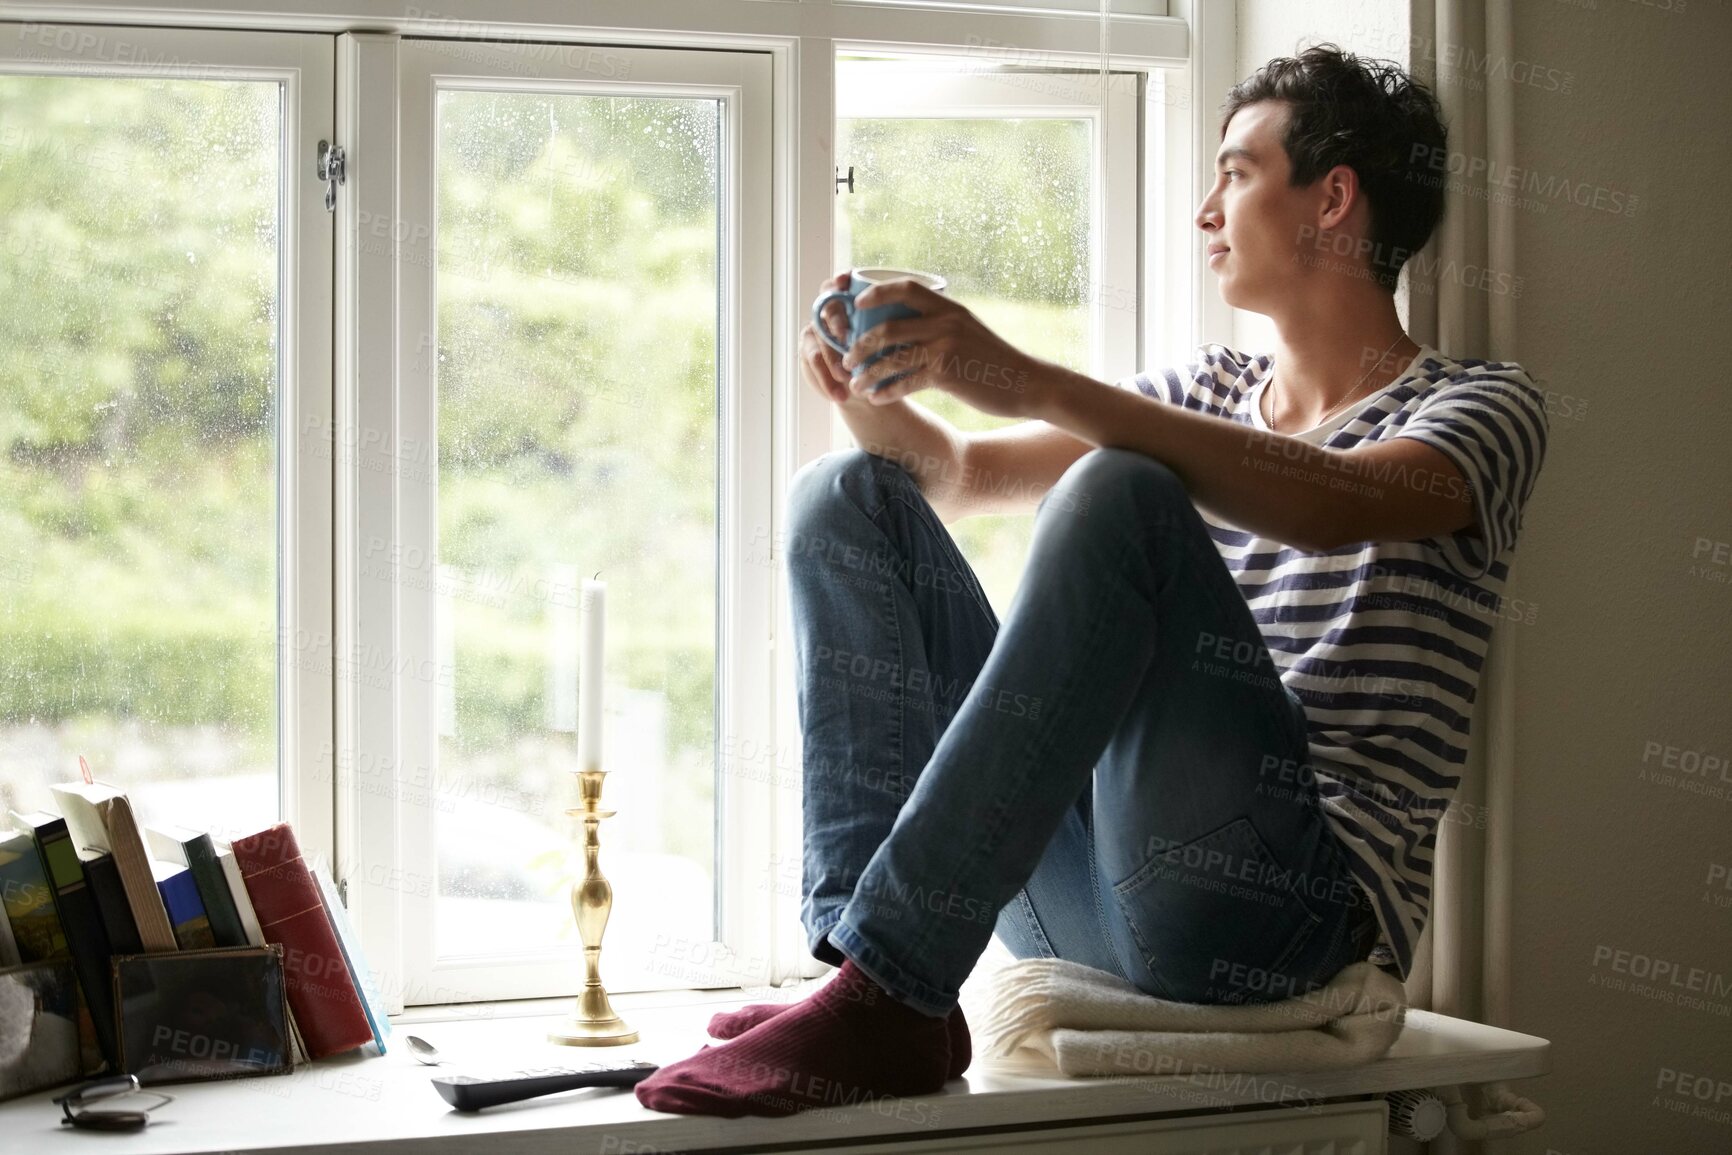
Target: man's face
{"x":1253,"y":219}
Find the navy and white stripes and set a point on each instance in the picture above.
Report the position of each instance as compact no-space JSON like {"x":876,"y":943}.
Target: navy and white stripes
{"x":1383,"y":642}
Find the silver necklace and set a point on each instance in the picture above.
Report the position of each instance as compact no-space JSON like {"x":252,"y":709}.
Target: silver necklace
{"x":1269,"y":405}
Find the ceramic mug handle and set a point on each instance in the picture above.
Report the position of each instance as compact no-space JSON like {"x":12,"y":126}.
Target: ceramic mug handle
{"x":818,"y":318}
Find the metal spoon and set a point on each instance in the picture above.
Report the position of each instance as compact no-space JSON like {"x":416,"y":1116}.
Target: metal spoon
{"x":424,"y":1051}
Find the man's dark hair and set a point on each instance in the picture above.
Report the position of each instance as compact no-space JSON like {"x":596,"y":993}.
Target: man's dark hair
{"x":1372,"y":117}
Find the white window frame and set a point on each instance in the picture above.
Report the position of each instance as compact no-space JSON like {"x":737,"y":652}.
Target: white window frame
{"x":303,"y":65}
{"x":398,"y":897}
{"x":926,"y":90}
{"x":1178,"y":304}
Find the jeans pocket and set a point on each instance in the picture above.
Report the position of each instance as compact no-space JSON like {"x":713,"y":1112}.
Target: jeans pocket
{"x":1216,"y":919}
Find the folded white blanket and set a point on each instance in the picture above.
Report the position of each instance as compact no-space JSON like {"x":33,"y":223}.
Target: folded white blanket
{"x":1092,"y":1023}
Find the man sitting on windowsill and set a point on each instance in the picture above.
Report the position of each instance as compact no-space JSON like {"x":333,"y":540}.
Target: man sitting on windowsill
{"x":1210,"y":747}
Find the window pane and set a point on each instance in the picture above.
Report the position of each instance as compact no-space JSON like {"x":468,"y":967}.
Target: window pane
{"x":577,"y":304}
{"x":1001,"y":208}
{"x":138,"y":408}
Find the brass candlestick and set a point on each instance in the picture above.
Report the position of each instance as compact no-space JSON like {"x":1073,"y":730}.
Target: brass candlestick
{"x":594,"y":1024}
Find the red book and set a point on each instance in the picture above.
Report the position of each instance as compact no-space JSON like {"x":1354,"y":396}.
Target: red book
{"x":286,"y":899}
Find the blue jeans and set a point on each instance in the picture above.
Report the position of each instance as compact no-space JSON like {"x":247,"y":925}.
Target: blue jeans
{"x":1116,"y":777}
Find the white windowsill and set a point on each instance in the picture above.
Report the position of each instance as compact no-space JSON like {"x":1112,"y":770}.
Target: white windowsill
{"x":359,"y":1105}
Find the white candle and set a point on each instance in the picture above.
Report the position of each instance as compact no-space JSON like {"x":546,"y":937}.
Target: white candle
{"x":594,"y":604}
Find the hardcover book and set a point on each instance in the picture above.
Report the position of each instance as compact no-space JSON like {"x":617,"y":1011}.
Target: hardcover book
{"x":255,"y":935}
{"x":103,"y":876}
{"x":197,"y":852}
{"x":371,"y":1001}
{"x":81,"y":921}
{"x":8,"y":944}
{"x":185,"y":909}
{"x":28,"y":901}
{"x":101,"y":820}
{"x":326,"y":1006}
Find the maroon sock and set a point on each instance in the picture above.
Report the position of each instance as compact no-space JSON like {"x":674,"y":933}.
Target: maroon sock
{"x":728,"y":1024}
{"x":849,"y":1042}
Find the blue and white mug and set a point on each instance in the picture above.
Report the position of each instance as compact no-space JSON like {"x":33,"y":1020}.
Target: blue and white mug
{"x":861,"y":320}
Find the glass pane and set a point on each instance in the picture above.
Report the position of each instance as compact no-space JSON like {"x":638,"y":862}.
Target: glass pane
{"x":138,"y":413}
{"x":577,"y":303}
{"x":1001,"y":208}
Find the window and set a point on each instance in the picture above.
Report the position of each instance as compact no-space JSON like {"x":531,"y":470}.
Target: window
{"x":594,"y":335}
{"x":165,"y":342}
{"x":296,"y":500}
{"x":994,"y":179}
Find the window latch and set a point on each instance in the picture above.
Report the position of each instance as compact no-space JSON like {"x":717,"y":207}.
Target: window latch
{"x":330,"y":170}
{"x":845,"y":180}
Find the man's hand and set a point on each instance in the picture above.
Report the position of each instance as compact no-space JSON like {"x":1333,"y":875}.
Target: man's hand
{"x":946,"y":348}
{"x":821,"y":365}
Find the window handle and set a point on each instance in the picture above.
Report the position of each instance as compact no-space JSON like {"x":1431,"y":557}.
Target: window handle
{"x":329,"y":169}
{"x":845,"y":180}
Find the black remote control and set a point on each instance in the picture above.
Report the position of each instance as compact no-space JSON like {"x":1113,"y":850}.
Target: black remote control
{"x":473,"y":1092}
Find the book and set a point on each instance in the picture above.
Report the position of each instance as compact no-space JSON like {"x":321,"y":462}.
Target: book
{"x":101,"y":820}
{"x":80,"y":920}
{"x":326,"y":1007}
{"x":185,"y":909}
{"x":8,"y":944}
{"x":255,"y":934}
{"x":196,"y":851}
{"x":371,"y":1001}
{"x":28,"y":901}
{"x":103,"y":876}
{"x":249,"y":919}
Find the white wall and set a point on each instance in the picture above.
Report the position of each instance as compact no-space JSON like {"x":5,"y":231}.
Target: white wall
{"x":1623,"y":315}
{"x":1628,"y":313}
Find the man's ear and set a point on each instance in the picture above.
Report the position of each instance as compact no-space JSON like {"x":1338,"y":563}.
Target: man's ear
{"x":1340,"y":194}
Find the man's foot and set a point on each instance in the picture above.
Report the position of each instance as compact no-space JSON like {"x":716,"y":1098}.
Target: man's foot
{"x":728,"y":1024}
{"x":849,"y":1042}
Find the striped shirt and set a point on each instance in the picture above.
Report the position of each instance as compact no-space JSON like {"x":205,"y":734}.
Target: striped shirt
{"x":1383,"y":642}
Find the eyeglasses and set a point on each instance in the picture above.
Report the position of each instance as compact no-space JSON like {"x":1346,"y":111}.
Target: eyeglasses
{"x":132,"y":1116}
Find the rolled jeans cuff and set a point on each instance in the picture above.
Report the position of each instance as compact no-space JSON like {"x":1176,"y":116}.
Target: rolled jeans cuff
{"x":902,"y":986}
{"x":825,"y":952}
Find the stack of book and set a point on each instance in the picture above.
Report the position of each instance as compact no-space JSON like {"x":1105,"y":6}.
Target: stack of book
{"x":91,"y":886}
